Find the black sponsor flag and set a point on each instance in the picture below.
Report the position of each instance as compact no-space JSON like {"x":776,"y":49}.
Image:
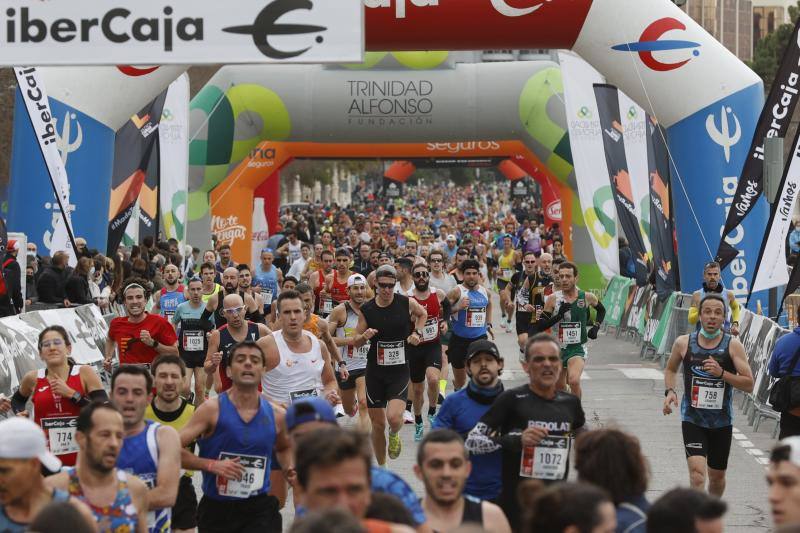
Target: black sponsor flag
{"x":773,"y":122}
{"x":134,"y":148}
{"x":614,"y":145}
{"x":3,"y":246}
{"x":148,"y":196}
{"x":660,"y":209}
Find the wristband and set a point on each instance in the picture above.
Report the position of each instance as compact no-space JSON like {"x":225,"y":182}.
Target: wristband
{"x":341,"y":363}
{"x":155,"y":344}
{"x":666,"y":392}
{"x":722,"y":374}
{"x":76,"y":398}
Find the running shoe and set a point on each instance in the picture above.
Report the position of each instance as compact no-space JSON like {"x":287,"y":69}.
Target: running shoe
{"x":431,"y":418}
{"x":440,"y":400}
{"x":408,"y":418}
{"x":339,"y":410}
{"x":418,"y":432}
{"x":395,"y":445}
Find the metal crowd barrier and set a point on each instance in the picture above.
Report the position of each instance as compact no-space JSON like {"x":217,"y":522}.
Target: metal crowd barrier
{"x":757,"y":333}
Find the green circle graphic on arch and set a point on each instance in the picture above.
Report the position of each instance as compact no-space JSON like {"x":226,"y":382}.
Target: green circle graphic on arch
{"x":235,"y":122}
{"x":541,"y":111}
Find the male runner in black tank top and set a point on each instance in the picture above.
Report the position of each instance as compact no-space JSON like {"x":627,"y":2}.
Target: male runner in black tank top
{"x":386,"y":321}
{"x":443,"y":466}
{"x":223,"y":339}
{"x":230,"y":285}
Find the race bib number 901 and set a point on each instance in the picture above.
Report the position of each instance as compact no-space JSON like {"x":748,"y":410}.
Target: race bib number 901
{"x":476,"y":317}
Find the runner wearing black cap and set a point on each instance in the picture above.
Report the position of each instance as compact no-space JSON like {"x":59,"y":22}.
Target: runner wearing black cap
{"x":463,"y":409}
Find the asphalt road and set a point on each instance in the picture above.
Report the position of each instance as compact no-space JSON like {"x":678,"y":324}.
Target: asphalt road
{"x":621,"y":390}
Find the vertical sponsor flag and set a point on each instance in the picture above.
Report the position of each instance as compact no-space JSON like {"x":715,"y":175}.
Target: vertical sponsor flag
{"x":771,"y":270}
{"x":586,"y":144}
{"x":773,"y":122}
{"x":661,"y":229}
{"x":614,"y":143}
{"x":148,"y":195}
{"x":38,"y":106}
{"x":133,"y":148}
{"x":634,"y":124}
{"x":173,"y":136}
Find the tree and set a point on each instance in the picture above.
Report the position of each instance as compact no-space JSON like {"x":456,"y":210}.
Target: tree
{"x":769,"y":50}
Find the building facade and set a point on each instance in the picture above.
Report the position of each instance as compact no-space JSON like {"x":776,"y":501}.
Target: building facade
{"x":728,"y":21}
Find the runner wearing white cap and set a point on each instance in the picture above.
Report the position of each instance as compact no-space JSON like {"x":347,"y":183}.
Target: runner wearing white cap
{"x":23,"y":493}
{"x":342,"y":324}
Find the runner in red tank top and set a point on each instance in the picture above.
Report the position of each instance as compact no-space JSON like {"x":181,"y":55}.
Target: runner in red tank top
{"x":58,"y":392}
{"x":323,"y":303}
{"x":425,"y":360}
{"x":336,"y":282}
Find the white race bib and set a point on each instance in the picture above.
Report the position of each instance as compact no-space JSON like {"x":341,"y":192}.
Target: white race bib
{"x":476,"y":317}
{"x":266,"y":294}
{"x":61,"y":434}
{"x":327,"y":305}
{"x":430,"y":330}
{"x":360,"y":353}
{"x":523,"y":299}
{"x":252,"y":481}
{"x":193,"y":341}
{"x":300,"y":394}
{"x":391,"y":353}
{"x":546,"y":460}
{"x":570,"y":333}
{"x":506,"y":273}
{"x":707,"y":393}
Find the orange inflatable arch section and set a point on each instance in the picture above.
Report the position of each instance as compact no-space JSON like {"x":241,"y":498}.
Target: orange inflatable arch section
{"x":232,"y":199}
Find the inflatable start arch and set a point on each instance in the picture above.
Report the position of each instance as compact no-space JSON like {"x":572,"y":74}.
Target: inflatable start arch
{"x":650,"y":49}
{"x":259,"y":175}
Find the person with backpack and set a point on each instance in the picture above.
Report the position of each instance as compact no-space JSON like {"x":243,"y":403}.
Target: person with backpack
{"x":11,"y":302}
{"x":785,"y":365}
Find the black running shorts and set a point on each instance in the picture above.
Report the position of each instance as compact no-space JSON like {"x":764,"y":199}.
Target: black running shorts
{"x":712,"y":443}
{"x":423,"y":357}
{"x":385,"y":386}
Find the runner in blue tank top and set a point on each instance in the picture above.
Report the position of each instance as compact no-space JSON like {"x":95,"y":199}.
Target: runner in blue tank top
{"x":473,"y":309}
{"x":714,"y":363}
{"x":151,"y":451}
{"x":171,"y":295}
{"x":237,"y":433}
{"x":267,"y":279}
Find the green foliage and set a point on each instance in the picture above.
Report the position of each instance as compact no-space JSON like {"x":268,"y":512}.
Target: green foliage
{"x":770,"y":49}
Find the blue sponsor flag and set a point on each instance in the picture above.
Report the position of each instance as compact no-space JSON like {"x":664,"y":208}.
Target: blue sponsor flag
{"x":87,"y":148}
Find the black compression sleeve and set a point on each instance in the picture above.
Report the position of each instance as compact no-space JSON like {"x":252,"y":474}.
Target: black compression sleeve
{"x":447,"y":307}
{"x":18,"y":402}
{"x":256,"y":317}
{"x":98,"y":395}
{"x":547,"y":320}
{"x":206,"y":316}
{"x":601,"y":312}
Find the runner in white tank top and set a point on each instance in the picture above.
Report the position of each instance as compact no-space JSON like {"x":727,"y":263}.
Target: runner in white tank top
{"x":297,"y":375}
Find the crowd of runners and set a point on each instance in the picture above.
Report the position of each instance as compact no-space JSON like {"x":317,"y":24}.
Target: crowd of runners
{"x":289,"y":382}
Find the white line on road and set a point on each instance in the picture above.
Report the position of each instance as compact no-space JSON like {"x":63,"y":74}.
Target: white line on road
{"x":642,"y":373}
